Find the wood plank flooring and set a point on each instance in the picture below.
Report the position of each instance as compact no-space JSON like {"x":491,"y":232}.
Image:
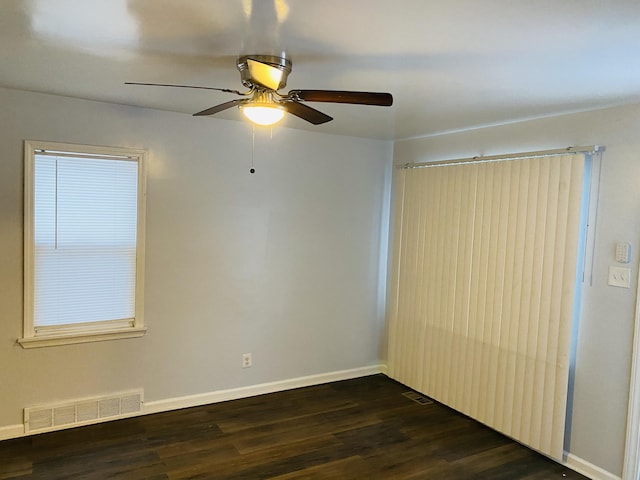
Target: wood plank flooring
{"x":355,"y":429}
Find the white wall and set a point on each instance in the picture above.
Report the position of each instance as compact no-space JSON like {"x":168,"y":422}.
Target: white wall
{"x":598,"y":421}
{"x":284,"y":263}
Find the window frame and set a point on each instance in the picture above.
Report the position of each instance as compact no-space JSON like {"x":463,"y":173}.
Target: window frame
{"x":45,"y":336}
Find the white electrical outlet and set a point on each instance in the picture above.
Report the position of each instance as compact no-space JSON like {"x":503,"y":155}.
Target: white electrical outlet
{"x":620,"y":277}
{"x":246,"y":360}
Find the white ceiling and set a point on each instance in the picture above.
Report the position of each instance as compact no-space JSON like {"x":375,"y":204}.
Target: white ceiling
{"x":450,"y":65}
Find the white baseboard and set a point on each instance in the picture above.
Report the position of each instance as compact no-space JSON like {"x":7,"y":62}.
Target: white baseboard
{"x":15,"y":431}
{"x":588,"y":469}
{"x":11,"y":431}
{"x":260,"y":389}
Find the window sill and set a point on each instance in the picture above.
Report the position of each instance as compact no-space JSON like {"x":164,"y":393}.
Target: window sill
{"x":85,"y":337}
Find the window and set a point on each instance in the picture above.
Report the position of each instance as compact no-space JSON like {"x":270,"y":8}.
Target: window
{"x":83,"y":243}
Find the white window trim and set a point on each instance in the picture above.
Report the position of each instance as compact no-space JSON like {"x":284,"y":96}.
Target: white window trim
{"x":88,"y":332}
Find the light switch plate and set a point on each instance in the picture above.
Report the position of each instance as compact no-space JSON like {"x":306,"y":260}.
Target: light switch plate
{"x":620,"y":277}
{"x":623,"y":252}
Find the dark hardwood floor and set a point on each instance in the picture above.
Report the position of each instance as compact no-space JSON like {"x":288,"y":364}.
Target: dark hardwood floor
{"x":355,"y":429}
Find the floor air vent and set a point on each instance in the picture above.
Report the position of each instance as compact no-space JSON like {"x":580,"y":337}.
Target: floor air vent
{"x":47,"y":418}
{"x":418,"y":398}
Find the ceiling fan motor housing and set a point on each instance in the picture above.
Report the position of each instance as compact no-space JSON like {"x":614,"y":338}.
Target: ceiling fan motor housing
{"x":280,"y":63}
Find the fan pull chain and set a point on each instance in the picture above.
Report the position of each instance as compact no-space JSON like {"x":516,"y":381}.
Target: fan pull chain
{"x":253,"y":147}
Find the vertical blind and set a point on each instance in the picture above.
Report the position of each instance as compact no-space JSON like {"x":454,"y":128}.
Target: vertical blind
{"x":85,"y":217}
{"x":482,"y":295}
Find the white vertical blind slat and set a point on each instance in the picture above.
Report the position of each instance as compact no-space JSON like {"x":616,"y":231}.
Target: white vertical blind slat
{"x":546,"y":222}
{"x":434,"y":185}
{"x":495,"y":411}
{"x":465,"y":239}
{"x":392,"y":307}
{"x":424,"y":339}
{"x":518,"y":256}
{"x":416,"y":292}
{"x":476,"y":300}
{"x":495,"y":289}
{"x":446,"y":254}
{"x":394,"y":335}
{"x":469,"y":334}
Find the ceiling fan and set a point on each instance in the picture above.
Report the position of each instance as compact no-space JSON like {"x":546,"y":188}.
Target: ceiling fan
{"x":264,"y":75}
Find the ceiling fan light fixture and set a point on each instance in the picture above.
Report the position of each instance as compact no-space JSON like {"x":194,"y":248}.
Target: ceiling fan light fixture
{"x":264,"y":114}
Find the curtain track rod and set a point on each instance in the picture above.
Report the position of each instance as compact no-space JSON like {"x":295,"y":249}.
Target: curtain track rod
{"x":511,"y":156}
{"x":92,"y":156}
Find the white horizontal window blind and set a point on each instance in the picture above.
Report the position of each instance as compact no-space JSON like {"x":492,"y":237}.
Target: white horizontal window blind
{"x":85,"y":239}
{"x":483,"y":287}
{"x":82,"y":241}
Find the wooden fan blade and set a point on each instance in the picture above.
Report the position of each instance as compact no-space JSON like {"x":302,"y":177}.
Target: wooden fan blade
{"x":307,"y":113}
{"x":341,"y":96}
{"x":184,"y":86}
{"x":219,"y":108}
